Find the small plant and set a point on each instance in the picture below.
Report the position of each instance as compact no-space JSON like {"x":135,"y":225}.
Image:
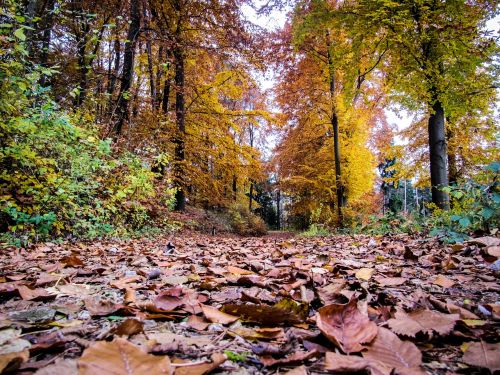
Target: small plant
{"x":236,"y":357}
{"x":316,"y":230}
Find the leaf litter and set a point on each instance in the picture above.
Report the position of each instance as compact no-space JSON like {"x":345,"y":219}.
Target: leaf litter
{"x":196,"y":304}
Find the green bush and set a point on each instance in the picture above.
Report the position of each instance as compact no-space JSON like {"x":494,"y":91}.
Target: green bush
{"x":316,"y":230}
{"x":475,"y":207}
{"x":57,"y":178}
{"x":245,"y":223}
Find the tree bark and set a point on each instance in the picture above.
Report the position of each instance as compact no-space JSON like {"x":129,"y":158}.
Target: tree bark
{"x":452,"y":159}
{"x":128,"y":67}
{"x":180,"y":197}
{"x":438,"y":156}
{"x":336,"y":146}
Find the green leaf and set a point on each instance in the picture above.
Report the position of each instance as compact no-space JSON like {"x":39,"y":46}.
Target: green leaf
{"x":487,"y":213}
{"x":19,"y":34}
{"x":464,"y":222}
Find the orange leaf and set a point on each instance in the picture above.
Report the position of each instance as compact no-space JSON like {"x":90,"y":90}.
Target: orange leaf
{"x":346,"y":326}
{"x":120,"y":357}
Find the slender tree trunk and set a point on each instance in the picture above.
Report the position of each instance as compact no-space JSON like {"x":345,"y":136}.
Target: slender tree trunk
{"x":438,"y":156}
{"x":47,"y":23}
{"x":278,"y":209}
{"x":250,"y":196}
{"x":452,"y":159}
{"x":116,"y":70}
{"x":336,"y":146}
{"x":166,"y":86}
{"x":128,"y":67}
{"x":82,"y":39}
{"x":152,"y":86}
{"x":180,"y":197}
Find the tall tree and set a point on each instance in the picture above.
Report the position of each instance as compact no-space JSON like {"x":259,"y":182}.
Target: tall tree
{"x":436,"y":47}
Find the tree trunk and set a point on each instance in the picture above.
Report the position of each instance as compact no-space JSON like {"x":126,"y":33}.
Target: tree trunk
{"x":128,"y":67}
{"x":180,"y":197}
{"x":438,"y":156}
{"x":112,"y":76}
{"x":278,"y":209}
{"x":152,"y":86}
{"x":452,"y":159}
{"x":47,"y":24}
{"x":250,"y":196}
{"x":336,"y":146}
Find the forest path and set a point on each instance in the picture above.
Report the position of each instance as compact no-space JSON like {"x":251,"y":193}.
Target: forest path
{"x":165,"y":297}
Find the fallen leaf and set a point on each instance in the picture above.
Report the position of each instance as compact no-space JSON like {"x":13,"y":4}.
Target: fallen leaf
{"x":198,"y":323}
{"x":391,"y":281}
{"x":365,"y":274}
{"x":301,"y":370}
{"x":60,"y":367}
{"x":200,"y":368}
{"x":238,"y":271}
{"x":482,"y":354}
{"x":98,"y":307}
{"x":285,"y":311}
{"x":38,"y":294}
{"x":393,"y":352}
{"x":10,"y":362}
{"x":443,"y":281}
{"x":425,"y":321}
{"x":296,"y":357}
{"x":339,"y":363}
{"x":72,"y":261}
{"x":485,"y":241}
{"x":217,"y":316}
{"x":128,"y":327}
{"x":346,"y":326}
{"x":120,"y":357}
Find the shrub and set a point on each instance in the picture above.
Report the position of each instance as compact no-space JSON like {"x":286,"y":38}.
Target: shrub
{"x":245,"y":223}
{"x":56,"y":176}
{"x":475,"y":207}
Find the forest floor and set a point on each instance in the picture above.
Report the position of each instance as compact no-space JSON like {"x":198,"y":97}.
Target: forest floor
{"x":193,"y":304}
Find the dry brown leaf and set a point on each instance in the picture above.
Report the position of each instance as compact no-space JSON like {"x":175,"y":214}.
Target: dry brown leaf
{"x":238,"y":271}
{"x":485,"y":241}
{"x":494,"y":251}
{"x":60,"y":367}
{"x":98,"y":307}
{"x":38,"y":294}
{"x":285,"y":311}
{"x":482,"y":354}
{"x":346,"y":326}
{"x":395,"y":353}
{"x":259,"y":333}
{"x":301,"y":370}
{"x":443,"y":281}
{"x":339,"y":363}
{"x":128,"y":328}
{"x":365,"y":273}
{"x":200,"y":368}
{"x":296,"y":357}
{"x":425,"y":321}
{"x":391,"y":281}
{"x":198,"y":323}
{"x":217,"y":316}
{"x":121,"y":357}
{"x":10,"y":362}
